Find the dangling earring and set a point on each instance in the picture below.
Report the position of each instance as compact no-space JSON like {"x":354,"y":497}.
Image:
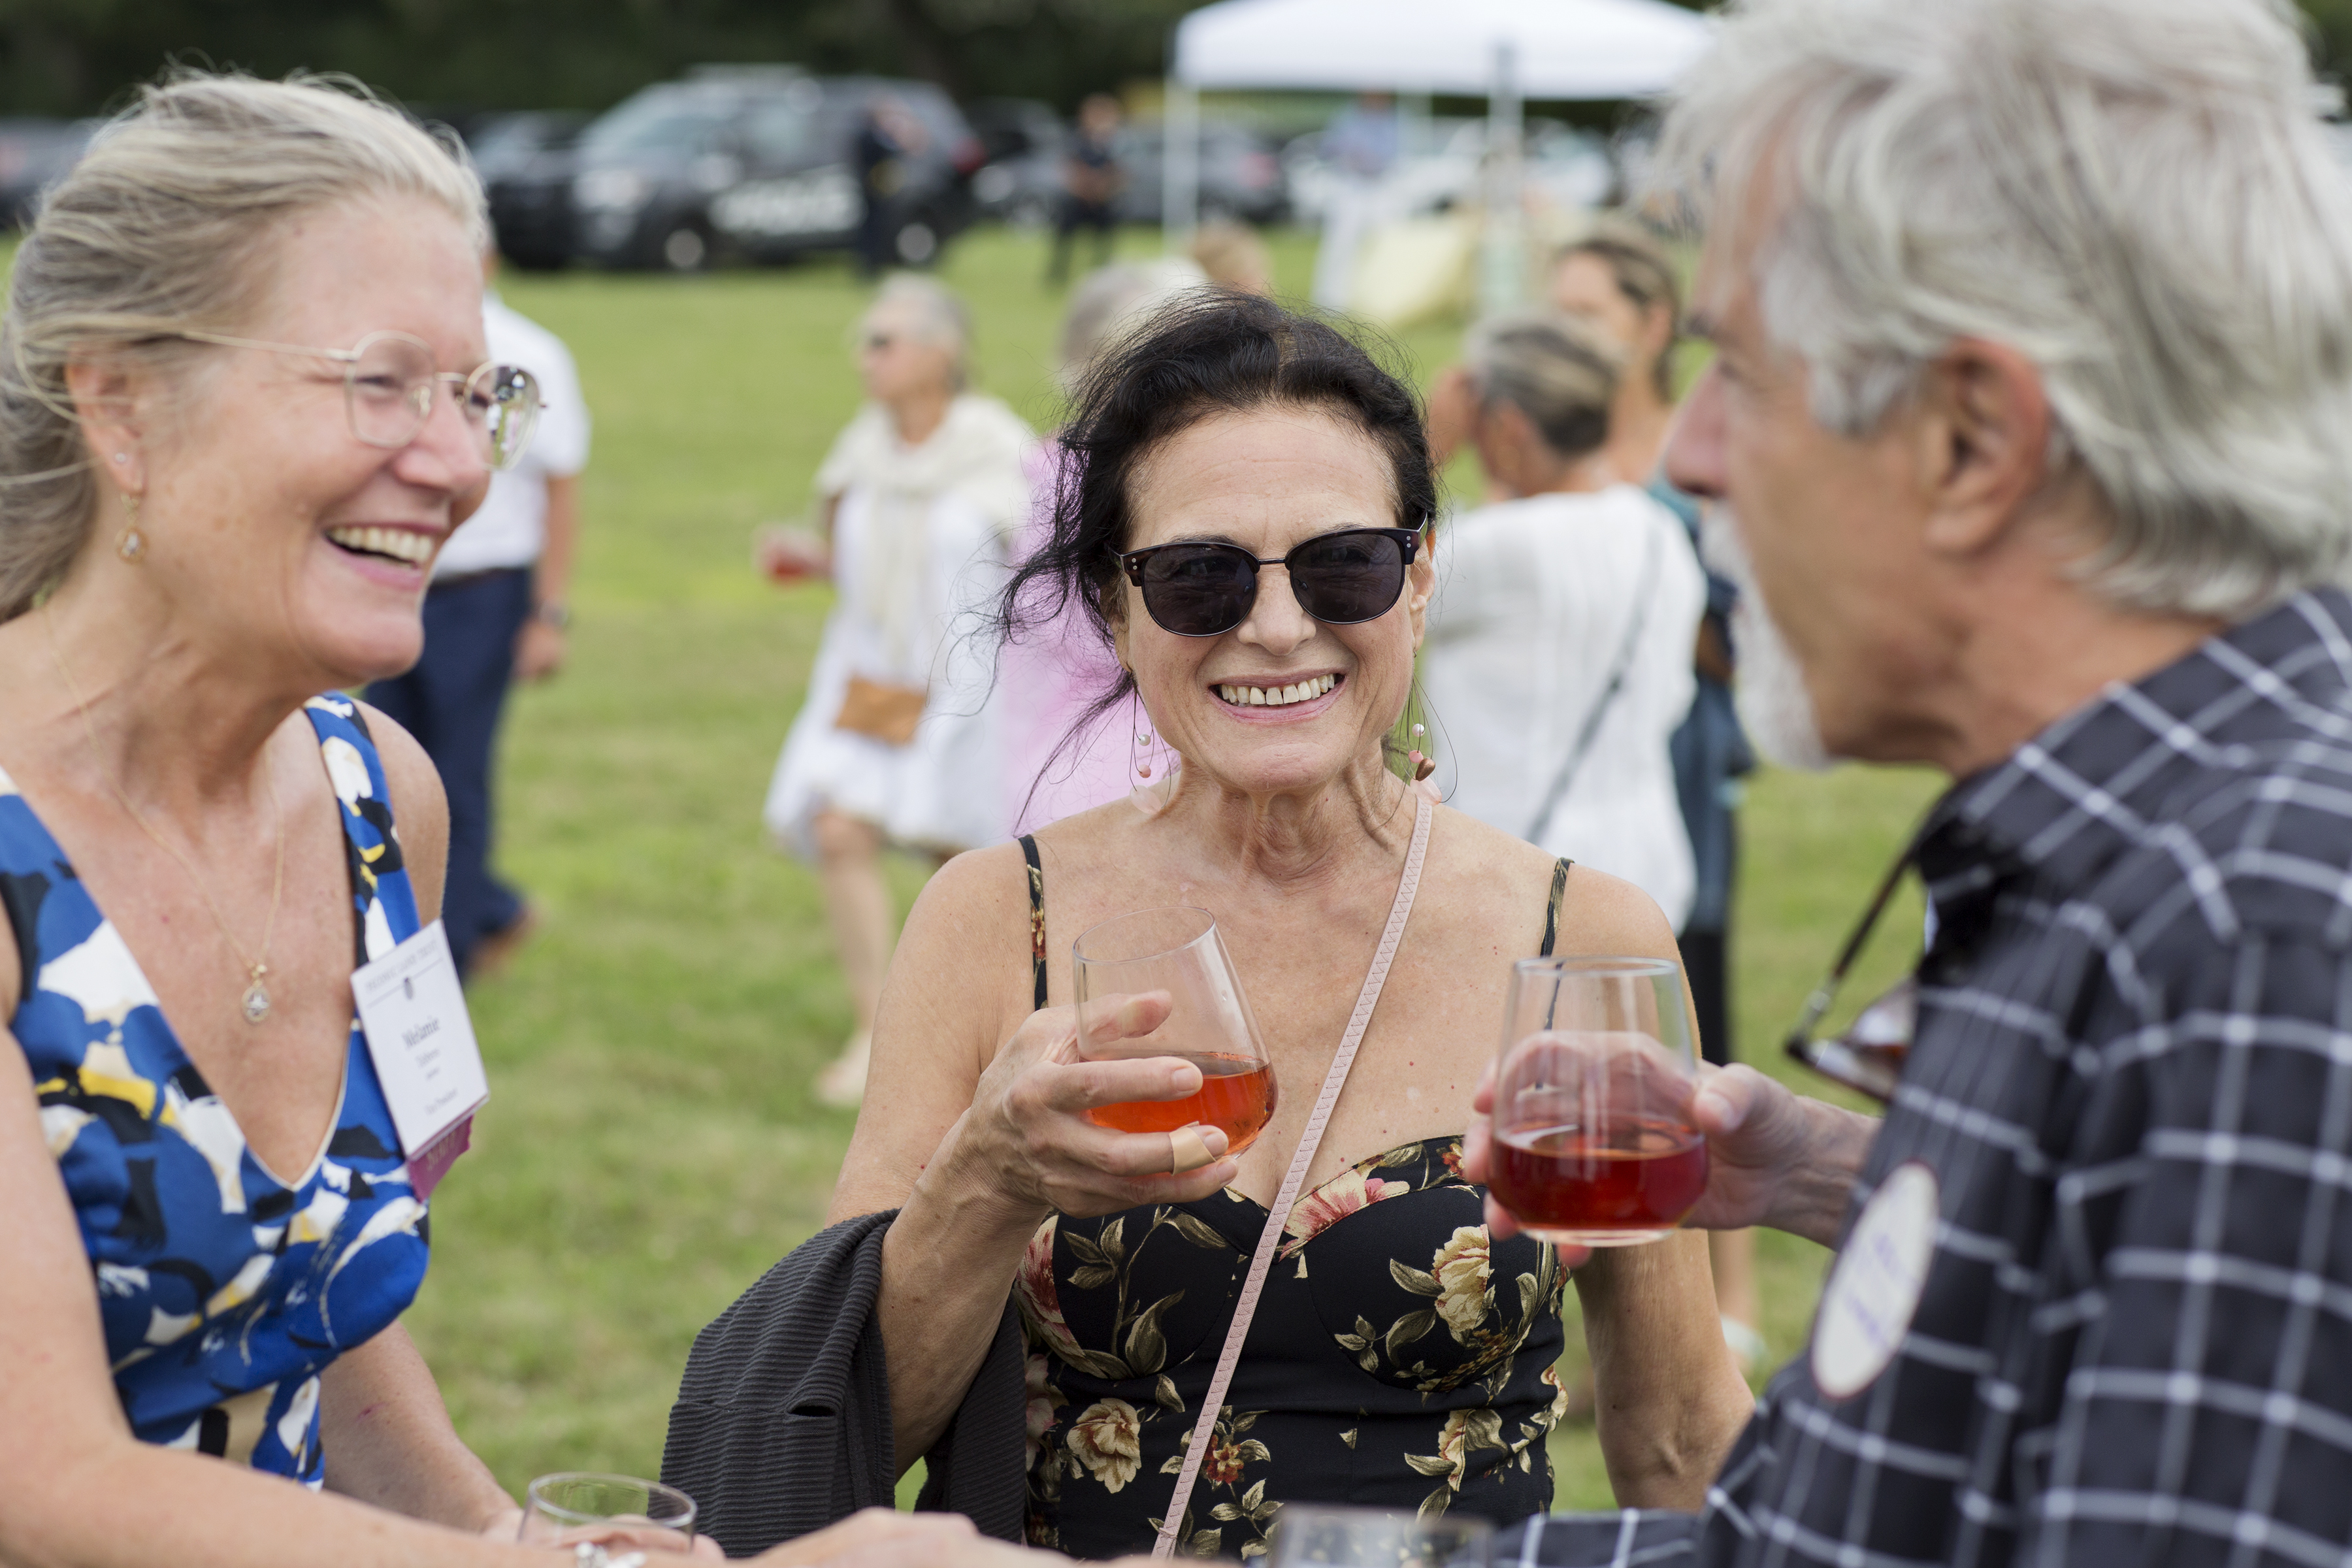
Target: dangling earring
{"x":1422,"y":766}
{"x":1139,"y":750}
{"x":131,"y":544}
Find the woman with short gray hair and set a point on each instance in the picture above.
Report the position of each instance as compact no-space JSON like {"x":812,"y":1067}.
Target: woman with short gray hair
{"x":1557,"y":664}
{"x":918,"y":501}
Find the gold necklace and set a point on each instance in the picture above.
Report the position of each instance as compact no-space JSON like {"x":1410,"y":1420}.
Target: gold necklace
{"x":255,"y":1004}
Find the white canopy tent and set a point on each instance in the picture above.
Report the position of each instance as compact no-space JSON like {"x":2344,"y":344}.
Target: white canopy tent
{"x":1561,"y":49}
{"x":1503,"y":50}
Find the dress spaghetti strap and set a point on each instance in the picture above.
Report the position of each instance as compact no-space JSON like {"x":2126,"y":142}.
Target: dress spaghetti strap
{"x":1551,"y":910}
{"x":1037,"y":919}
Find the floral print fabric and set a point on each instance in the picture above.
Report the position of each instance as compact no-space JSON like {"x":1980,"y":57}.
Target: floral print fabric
{"x":223,"y":1290}
{"x":1398,"y":1359}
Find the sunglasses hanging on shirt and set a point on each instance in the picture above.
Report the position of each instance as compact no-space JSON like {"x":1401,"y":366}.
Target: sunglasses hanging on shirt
{"x":1867,"y":1057}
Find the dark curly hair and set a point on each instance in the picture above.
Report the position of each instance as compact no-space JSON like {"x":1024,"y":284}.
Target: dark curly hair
{"x":1211,"y":352}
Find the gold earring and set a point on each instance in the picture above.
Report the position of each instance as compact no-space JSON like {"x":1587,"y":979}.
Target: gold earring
{"x":131,"y":544}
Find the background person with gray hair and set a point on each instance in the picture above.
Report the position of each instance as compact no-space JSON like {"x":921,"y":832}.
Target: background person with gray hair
{"x":1557,"y":660}
{"x":918,"y":499}
{"x":2034,"y":322}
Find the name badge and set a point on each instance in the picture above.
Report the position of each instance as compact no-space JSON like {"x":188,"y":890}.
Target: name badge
{"x":413,"y":1012}
{"x":1875,"y":1286}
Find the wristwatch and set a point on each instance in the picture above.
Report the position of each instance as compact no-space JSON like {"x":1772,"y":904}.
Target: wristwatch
{"x":553,"y":613}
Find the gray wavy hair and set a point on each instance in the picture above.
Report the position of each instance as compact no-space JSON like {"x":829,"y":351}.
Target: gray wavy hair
{"x":1552,"y":369}
{"x":938,"y":317}
{"x":170,"y":221}
{"x":2135,"y":194}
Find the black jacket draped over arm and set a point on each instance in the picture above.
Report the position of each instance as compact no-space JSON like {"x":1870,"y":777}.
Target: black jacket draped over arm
{"x":782,"y":1420}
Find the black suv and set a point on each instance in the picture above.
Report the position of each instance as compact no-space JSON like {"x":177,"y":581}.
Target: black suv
{"x":755,"y":160}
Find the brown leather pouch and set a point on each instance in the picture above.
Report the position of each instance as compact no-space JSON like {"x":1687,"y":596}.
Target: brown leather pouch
{"x":881,"y":712}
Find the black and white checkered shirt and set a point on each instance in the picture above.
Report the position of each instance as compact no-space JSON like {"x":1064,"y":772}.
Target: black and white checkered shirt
{"x":2133,"y":1081}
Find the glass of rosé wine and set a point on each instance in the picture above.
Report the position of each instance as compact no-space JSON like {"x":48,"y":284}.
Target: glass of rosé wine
{"x":1593,"y":1142}
{"x":1175,"y":951}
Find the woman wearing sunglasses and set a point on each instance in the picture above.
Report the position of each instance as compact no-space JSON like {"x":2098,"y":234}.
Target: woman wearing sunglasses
{"x":1244,"y":524}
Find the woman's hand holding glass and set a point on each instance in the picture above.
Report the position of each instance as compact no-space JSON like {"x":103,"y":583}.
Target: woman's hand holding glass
{"x":1030,"y":1132}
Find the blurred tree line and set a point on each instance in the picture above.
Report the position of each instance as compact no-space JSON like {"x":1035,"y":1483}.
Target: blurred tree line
{"x":76,"y":56}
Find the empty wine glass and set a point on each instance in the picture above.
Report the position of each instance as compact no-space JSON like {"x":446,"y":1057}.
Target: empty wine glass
{"x":1593,"y":1142}
{"x":1377,"y":1538}
{"x":1175,"y":951}
{"x":581,"y":1505}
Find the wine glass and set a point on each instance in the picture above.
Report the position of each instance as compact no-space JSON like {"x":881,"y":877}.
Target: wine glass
{"x":1176,"y":952}
{"x":1593,"y":1142}
{"x":1379,"y":1538}
{"x":581,"y":1505}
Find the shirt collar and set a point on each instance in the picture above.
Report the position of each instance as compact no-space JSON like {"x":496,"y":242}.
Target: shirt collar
{"x":2102,"y":777}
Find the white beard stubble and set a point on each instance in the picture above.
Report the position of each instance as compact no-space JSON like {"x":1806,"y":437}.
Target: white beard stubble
{"x":1769,"y":692}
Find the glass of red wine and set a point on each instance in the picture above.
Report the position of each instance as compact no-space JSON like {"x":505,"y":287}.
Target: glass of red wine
{"x":1175,"y":951}
{"x":1593,"y":1142}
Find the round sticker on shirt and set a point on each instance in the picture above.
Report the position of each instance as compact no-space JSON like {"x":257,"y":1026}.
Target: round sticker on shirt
{"x":1876,"y":1285}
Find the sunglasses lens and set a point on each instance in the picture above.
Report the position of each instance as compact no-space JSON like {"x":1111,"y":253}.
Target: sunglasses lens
{"x":1198,"y":590}
{"x":1344,"y":578}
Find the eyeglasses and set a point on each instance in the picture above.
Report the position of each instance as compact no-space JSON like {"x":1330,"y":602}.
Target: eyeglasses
{"x":1868,"y":1057}
{"x":389,"y":384}
{"x":1197,"y":589}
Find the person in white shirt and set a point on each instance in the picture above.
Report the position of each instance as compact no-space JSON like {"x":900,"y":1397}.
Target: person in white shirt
{"x":495,"y":614}
{"x":1557,"y":660}
{"x":899,"y":739}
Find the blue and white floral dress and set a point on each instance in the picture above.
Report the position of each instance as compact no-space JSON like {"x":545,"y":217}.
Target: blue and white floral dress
{"x":224,"y":1289}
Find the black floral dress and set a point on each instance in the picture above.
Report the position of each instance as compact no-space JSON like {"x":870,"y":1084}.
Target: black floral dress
{"x":1399,"y":1357}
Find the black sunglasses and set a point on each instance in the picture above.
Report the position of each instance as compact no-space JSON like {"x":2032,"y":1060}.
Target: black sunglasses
{"x":1869,"y":1056}
{"x":1197,"y":589}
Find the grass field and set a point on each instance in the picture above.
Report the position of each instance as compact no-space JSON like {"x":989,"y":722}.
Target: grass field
{"x":651,"y":1146}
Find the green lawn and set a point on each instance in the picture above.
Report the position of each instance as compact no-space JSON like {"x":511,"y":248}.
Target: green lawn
{"x":651,"y":1146}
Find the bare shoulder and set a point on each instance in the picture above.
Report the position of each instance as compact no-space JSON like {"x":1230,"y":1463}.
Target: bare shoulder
{"x":1496,"y":878}
{"x":1601,"y":913}
{"x":962,"y":969}
{"x":417,"y":798}
{"x":1488,"y":867}
{"x":979,"y":890}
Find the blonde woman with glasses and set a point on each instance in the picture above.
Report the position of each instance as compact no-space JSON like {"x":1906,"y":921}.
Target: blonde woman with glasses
{"x":243,"y":402}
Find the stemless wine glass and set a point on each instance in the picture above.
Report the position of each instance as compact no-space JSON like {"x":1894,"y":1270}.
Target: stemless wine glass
{"x":1593,"y":1142}
{"x":1176,"y":951}
{"x":1377,"y":1538}
{"x":581,"y":1505}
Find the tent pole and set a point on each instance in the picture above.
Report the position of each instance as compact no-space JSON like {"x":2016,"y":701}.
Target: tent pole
{"x":1180,"y":184}
{"x":1503,"y":254}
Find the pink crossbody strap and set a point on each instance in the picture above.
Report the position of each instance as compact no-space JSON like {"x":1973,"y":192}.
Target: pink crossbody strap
{"x":1278,"y":1218}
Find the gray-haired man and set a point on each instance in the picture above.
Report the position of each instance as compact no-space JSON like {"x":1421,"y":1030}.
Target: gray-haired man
{"x":2033,"y":404}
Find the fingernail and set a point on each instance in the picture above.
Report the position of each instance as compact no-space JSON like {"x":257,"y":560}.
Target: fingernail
{"x":1214,"y":1137}
{"x":1185,"y":1080}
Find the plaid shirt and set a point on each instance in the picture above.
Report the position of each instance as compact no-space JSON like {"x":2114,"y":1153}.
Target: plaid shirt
{"x":2133,"y":1081}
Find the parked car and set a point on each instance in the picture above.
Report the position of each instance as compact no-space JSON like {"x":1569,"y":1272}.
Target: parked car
{"x":34,"y":155}
{"x":1025,"y":142}
{"x":754,"y":161}
{"x":525,"y":161}
{"x":1571,"y":168}
{"x":1241,"y":176}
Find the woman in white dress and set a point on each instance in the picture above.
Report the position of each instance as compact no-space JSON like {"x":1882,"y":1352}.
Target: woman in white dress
{"x":919,"y":497}
{"x":1558,"y":662}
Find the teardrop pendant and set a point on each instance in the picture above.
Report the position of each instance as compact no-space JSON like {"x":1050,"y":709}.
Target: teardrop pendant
{"x":256,"y":1002}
